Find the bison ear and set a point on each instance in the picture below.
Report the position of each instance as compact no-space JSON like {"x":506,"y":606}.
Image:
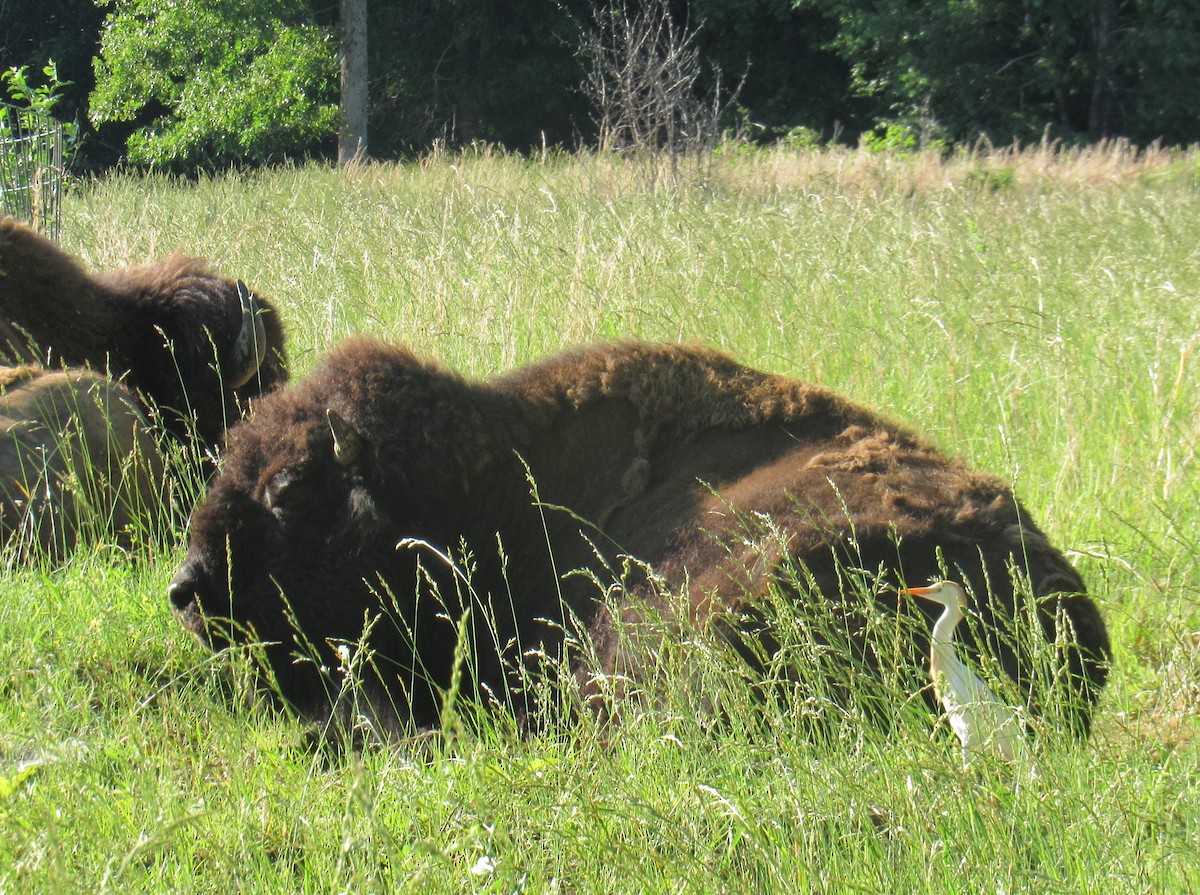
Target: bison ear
{"x":347,"y":442}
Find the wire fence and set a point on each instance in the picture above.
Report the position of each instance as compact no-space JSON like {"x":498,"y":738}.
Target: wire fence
{"x":31,"y":168}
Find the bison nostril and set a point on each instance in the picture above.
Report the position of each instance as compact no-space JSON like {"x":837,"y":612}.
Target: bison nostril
{"x":183,"y":591}
{"x":180,"y":594}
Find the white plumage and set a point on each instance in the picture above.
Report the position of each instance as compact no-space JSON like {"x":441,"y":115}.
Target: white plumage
{"x":983,"y":723}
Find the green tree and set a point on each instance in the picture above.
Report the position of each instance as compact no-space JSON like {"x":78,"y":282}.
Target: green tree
{"x":779,"y":54}
{"x":206,"y":82}
{"x":957,"y":68}
{"x":1011,"y":68}
{"x":1157,"y":69}
{"x":459,"y":71}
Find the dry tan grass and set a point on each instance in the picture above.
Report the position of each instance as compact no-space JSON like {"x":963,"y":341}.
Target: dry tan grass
{"x":1111,"y":162}
{"x":981,"y":167}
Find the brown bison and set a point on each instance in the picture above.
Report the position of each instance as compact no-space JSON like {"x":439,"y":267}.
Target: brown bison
{"x":75,"y":457}
{"x":348,"y":494}
{"x":194,"y":345}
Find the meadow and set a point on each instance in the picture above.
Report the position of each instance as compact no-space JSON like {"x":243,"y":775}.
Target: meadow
{"x":1034,"y":312}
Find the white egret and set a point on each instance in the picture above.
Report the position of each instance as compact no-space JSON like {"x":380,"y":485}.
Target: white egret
{"x":984,"y":724}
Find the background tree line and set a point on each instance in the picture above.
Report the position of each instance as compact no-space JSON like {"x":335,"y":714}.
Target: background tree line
{"x":198,"y":83}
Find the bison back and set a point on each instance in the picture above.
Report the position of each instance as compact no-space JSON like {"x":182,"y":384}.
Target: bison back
{"x":76,"y":460}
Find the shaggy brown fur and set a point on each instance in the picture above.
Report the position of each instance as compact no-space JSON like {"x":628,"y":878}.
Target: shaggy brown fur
{"x":669,"y":454}
{"x":165,"y":330}
{"x":75,"y":456}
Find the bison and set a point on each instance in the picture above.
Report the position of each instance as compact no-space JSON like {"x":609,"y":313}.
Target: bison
{"x":76,"y":457}
{"x":194,"y":346}
{"x":349,"y":495}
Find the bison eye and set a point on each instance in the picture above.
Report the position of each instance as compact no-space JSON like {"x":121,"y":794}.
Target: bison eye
{"x":280,"y":490}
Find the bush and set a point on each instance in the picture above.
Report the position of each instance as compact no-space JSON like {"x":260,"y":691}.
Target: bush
{"x":209,"y":82}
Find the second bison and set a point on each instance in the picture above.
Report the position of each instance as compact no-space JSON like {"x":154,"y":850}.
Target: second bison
{"x":348,"y":494}
{"x":194,"y":346}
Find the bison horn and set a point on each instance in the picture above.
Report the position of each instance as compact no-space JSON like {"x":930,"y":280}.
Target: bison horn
{"x":250,"y":347}
{"x":347,"y":442}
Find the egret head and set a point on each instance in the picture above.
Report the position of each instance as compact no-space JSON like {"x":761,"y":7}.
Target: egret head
{"x":948,"y":593}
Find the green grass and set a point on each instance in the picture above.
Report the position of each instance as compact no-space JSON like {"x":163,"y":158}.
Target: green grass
{"x":1035,"y":314}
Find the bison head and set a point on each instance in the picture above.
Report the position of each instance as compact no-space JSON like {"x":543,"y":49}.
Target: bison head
{"x":203,"y":346}
{"x":299,"y":536}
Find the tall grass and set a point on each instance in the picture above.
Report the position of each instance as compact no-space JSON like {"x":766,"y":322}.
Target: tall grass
{"x":1034,"y":312}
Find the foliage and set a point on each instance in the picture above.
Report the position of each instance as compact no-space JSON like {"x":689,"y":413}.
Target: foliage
{"x":1159,"y":57}
{"x":209,"y":82}
{"x":453,"y":72}
{"x":1010,"y":69}
{"x":456,"y":72}
{"x":32,"y":146}
{"x":778,"y":51}
{"x":67,"y":31}
{"x":892,"y":138}
{"x":41,"y":98}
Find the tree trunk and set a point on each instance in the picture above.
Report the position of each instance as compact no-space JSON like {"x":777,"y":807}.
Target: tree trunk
{"x":1100,"y":110}
{"x":352,"y":136}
